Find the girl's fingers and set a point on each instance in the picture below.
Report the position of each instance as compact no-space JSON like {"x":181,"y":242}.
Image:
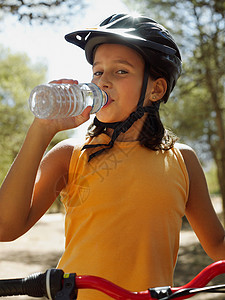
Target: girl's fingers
{"x":64,"y":80}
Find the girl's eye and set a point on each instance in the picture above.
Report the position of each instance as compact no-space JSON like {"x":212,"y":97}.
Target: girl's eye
{"x":122,"y":72}
{"x":97,"y":73}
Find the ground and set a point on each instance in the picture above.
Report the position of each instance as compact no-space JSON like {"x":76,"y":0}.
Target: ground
{"x":42,"y":246}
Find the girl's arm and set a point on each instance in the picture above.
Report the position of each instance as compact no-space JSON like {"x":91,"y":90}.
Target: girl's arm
{"x":21,"y":205}
{"x":199,"y":210}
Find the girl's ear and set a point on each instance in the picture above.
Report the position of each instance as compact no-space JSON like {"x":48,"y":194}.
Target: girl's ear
{"x":159,"y":89}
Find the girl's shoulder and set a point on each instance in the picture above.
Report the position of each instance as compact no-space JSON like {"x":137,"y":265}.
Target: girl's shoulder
{"x":186,"y":151}
{"x":63,"y":148}
{"x":183,"y":147}
{"x":62,"y":152}
{"x":67,"y":146}
{"x":190,"y":158}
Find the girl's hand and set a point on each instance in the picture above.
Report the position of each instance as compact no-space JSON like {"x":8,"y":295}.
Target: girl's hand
{"x":55,"y":125}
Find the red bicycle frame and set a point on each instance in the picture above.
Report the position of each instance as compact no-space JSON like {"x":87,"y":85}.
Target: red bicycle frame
{"x":116,"y":292}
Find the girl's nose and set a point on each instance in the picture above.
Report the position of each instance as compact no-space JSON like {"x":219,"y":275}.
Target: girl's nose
{"x":104,"y":82}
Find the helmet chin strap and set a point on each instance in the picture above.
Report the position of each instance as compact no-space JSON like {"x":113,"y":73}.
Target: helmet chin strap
{"x":122,"y":127}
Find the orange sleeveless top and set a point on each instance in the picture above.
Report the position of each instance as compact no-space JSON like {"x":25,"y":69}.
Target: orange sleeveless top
{"x":124,"y":212}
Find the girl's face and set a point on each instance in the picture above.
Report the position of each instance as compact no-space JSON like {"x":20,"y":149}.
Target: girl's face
{"x":119,"y":71}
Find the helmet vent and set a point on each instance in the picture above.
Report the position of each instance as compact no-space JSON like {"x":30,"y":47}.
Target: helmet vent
{"x":87,"y":36}
{"x":78,"y":37}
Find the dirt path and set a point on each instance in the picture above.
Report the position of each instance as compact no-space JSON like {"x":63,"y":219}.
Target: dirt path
{"x":42,"y":246}
{"x":36,"y":251}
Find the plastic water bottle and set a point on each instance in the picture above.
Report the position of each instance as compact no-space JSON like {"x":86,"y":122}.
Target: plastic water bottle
{"x":54,"y":101}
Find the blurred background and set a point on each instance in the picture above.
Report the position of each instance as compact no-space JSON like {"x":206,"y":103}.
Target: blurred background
{"x":33,"y":51}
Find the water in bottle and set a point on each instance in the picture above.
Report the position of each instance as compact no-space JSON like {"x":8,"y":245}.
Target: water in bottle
{"x":51,"y":101}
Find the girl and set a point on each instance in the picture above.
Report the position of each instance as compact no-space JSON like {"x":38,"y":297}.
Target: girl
{"x":126,"y":190}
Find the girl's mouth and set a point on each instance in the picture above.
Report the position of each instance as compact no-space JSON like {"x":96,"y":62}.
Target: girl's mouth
{"x":110,"y":100}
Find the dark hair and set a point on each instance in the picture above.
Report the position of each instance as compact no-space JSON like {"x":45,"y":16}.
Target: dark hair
{"x":153,"y":134}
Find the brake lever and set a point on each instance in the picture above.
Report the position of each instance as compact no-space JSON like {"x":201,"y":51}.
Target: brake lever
{"x":69,"y":290}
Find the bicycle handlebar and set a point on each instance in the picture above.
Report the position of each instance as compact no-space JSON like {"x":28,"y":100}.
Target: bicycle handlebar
{"x":54,"y":284}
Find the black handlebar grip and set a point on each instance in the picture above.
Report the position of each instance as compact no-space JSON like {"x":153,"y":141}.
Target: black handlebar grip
{"x":33,"y":285}
{"x":10,"y":287}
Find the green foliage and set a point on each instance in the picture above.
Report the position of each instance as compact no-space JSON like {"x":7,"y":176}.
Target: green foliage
{"x":17,"y":77}
{"x":189,"y":112}
{"x":212,"y":180}
{"x":44,"y":10}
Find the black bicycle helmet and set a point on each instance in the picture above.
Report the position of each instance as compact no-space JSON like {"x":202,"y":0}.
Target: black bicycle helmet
{"x":151,"y":40}
{"x":143,"y":34}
